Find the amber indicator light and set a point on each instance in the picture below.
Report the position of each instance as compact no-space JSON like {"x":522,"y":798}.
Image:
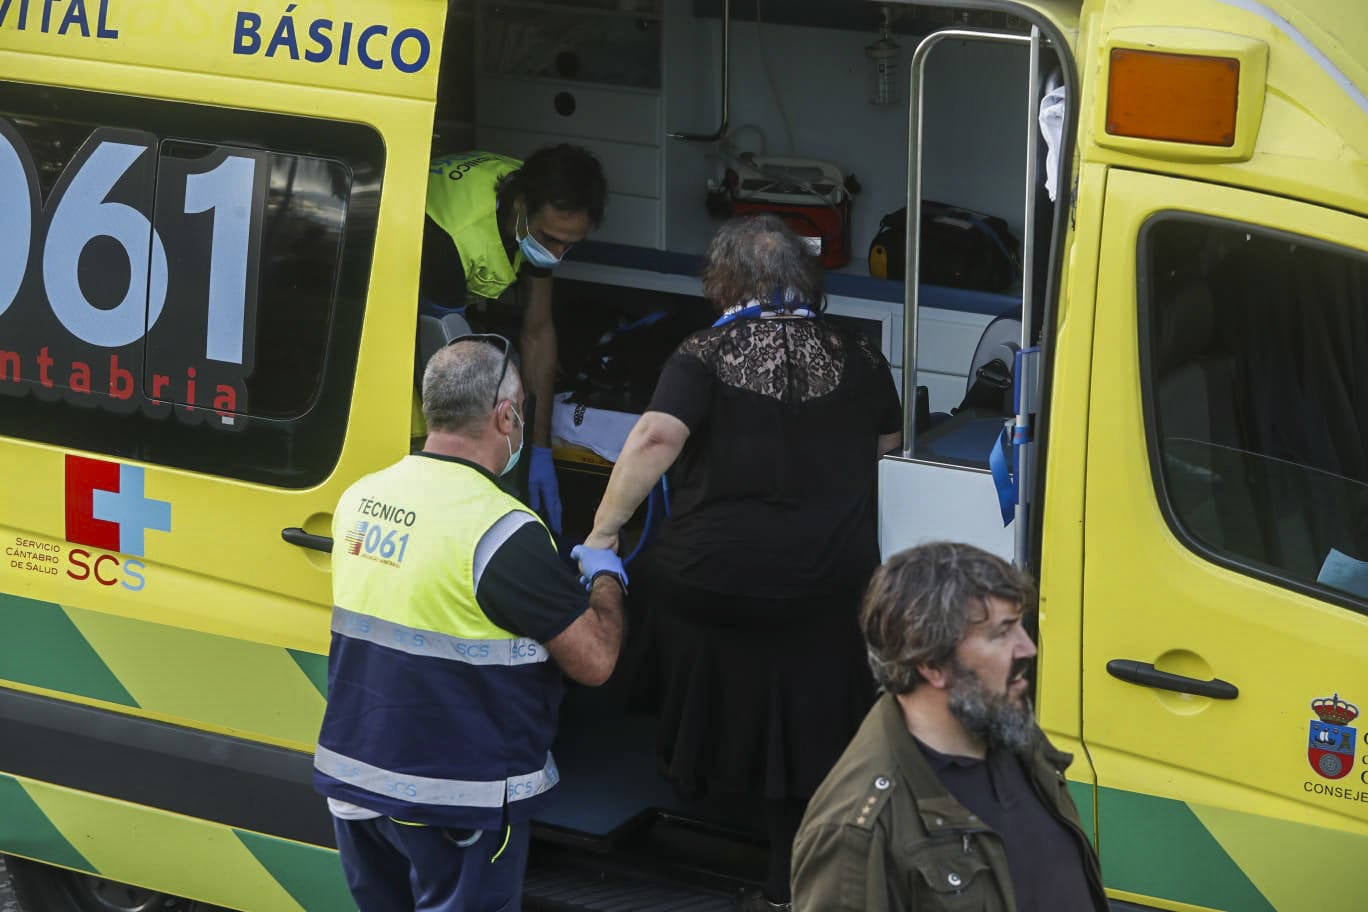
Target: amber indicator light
{"x":1184,"y":98}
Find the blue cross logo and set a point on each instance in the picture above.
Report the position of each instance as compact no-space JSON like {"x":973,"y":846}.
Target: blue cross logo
{"x":132,"y":511}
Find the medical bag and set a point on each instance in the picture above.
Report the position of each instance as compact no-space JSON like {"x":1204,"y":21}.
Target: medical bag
{"x":960,"y":248}
{"x":809,"y":196}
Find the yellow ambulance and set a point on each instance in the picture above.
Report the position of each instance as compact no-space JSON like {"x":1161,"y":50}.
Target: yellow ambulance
{"x":209,"y":222}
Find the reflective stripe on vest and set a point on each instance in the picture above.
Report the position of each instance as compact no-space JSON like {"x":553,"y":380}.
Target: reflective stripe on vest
{"x":436,"y":792}
{"x":419,"y":642}
{"x":461,"y":199}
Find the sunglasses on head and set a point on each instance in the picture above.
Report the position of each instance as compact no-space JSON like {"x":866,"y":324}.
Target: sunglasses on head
{"x":499,"y":342}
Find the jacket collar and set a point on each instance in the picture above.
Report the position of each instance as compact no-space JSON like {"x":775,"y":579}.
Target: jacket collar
{"x":939,"y":810}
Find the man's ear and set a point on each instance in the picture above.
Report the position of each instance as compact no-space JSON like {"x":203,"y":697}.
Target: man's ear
{"x":935,"y":675}
{"x":504,"y":422}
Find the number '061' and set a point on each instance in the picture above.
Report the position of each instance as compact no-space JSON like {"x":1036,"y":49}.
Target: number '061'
{"x":107,"y":191}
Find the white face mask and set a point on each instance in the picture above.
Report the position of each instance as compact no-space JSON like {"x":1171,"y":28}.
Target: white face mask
{"x":514,"y":455}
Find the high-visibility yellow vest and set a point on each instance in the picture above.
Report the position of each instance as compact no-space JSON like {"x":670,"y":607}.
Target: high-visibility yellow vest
{"x":461,"y":200}
{"x":435,"y":714}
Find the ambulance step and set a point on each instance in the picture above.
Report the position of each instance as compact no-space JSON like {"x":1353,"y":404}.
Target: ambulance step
{"x":562,"y":888}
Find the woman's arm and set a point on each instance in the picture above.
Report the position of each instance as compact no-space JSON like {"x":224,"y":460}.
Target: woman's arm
{"x":651,"y":448}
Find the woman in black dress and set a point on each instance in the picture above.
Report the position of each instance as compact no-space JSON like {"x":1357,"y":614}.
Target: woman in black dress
{"x":770,"y":424}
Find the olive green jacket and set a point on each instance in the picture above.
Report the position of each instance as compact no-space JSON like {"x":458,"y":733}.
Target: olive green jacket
{"x":883,"y":835}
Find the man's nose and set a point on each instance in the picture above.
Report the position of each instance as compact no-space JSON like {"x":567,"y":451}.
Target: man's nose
{"x":1025,"y":646}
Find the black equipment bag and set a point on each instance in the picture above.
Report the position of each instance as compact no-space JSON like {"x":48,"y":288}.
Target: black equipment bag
{"x":960,"y":248}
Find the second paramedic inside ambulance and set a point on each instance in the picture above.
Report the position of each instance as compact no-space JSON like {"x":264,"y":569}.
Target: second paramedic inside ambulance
{"x":495,"y":229}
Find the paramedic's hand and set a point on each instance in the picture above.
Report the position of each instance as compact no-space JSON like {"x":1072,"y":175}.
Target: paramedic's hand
{"x":594,"y":562}
{"x":542,"y":488}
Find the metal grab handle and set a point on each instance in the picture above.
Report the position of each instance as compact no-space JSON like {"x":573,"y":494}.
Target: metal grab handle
{"x":912,"y":252}
{"x":297,"y":536}
{"x":726,"y":86}
{"x":1147,"y":675}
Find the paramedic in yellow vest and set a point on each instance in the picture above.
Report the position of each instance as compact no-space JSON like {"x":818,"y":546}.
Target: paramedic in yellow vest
{"x":493,"y":221}
{"x":453,"y":621}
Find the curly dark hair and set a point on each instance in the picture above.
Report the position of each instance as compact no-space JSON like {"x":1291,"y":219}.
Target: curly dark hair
{"x":563,"y":177}
{"x":756,"y":256}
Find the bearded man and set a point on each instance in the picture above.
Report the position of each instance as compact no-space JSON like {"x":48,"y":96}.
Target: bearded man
{"x":950,"y":796}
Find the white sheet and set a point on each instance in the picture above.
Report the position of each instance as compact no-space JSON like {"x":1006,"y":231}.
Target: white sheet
{"x":600,"y":430}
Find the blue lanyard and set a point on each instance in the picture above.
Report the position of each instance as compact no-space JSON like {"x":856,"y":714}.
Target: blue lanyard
{"x":777,"y":305}
{"x":744,"y":313}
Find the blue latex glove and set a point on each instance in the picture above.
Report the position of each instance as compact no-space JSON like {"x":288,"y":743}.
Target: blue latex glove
{"x":542,"y":488}
{"x":594,"y":562}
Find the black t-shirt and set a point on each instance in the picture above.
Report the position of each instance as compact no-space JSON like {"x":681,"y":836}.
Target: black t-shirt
{"x":773,"y":495}
{"x":521,"y":583}
{"x":1049,"y":869}
{"x":441,"y":277}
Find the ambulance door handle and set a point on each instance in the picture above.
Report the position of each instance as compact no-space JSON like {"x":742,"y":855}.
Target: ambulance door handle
{"x":1145,"y":674}
{"x":297,"y":536}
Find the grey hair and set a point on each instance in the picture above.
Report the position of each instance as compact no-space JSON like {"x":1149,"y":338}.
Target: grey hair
{"x":458,"y":386}
{"x":752,"y":257}
{"x":921,"y":601}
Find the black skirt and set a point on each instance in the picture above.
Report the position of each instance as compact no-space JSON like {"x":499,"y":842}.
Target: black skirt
{"x":757,"y":696}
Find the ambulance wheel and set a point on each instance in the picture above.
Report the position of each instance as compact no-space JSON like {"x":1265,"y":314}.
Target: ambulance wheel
{"x":42,"y":888}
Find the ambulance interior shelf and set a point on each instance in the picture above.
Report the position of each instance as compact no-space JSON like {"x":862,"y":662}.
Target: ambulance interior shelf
{"x":838,"y":283}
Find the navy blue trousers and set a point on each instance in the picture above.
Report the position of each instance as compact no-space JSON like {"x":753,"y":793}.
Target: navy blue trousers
{"x":396,"y":867}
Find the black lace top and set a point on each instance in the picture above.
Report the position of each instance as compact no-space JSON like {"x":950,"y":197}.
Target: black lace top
{"x":773,"y":495}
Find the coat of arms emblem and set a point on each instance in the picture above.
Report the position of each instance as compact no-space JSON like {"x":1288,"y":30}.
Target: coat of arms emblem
{"x":1331,"y":745}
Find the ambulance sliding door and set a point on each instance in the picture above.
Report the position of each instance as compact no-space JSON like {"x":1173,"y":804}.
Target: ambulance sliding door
{"x":184,"y":343}
{"x":1225,"y":654}
{"x":192,"y":360}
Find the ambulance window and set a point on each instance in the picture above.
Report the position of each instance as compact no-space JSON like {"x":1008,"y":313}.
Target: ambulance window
{"x":256,"y":291}
{"x":1256,"y":350}
{"x":182,"y":285}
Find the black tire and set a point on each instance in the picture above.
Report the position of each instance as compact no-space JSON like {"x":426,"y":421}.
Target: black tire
{"x":42,"y":888}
